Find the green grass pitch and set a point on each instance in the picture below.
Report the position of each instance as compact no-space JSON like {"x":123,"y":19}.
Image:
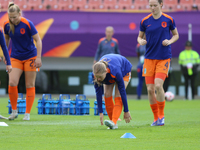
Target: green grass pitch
{"x":66,"y":132}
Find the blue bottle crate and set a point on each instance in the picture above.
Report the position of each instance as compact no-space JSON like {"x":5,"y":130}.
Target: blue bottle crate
{"x":65,"y":107}
{"x":87,"y":107}
{"x":72,"y":109}
{"x":64,"y":104}
{"x":21,"y":104}
{"x":90,"y":80}
{"x":96,"y":108}
{"x":80,"y":109}
{"x":44,"y":105}
{"x":47,"y":107}
{"x":96,"y":112}
{"x":9,"y":107}
{"x":40,"y":107}
{"x":24,"y":106}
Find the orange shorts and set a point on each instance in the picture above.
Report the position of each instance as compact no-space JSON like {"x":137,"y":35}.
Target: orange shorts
{"x":25,"y":65}
{"x":153,"y":66}
{"x":127,"y":77}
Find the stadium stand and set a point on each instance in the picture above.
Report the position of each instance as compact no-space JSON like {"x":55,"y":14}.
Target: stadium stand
{"x":141,"y":4}
{"x":170,"y":5}
{"x":51,"y":4}
{"x":94,"y":4}
{"x":186,"y":5}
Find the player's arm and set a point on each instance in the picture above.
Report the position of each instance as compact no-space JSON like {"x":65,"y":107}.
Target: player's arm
{"x":38,"y":61}
{"x":141,"y":38}
{"x":174,"y":38}
{"x":7,"y":41}
{"x":5,"y":52}
{"x":99,"y":92}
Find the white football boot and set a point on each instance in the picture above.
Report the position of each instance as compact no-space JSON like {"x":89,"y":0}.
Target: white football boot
{"x":110,"y":124}
{"x":26,"y":116}
{"x":13,"y":115}
{"x":2,"y":117}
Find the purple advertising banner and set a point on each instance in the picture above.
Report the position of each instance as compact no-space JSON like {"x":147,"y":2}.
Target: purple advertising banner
{"x":76,"y":34}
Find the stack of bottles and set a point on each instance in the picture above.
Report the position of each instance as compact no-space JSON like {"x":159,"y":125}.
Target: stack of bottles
{"x":96,"y":112}
{"x":64,"y":105}
{"x":21,"y":104}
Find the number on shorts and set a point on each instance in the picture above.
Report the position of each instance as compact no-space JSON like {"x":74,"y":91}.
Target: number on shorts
{"x":166,"y":65}
{"x":32,"y":63}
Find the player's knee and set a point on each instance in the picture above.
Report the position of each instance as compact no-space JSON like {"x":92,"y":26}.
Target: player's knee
{"x":13,"y":83}
{"x":107,"y":93}
{"x":30,"y":85}
{"x":158,"y":87}
{"x":151,"y":90}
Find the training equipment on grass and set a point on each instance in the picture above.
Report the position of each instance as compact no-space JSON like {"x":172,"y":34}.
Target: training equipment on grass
{"x":21,"y":104}
{"x":128,"y":135}
{"x":64,"y":105}
{"x":3,"y":124}
{"x":96,"y":112}
{"x":169,"y":96}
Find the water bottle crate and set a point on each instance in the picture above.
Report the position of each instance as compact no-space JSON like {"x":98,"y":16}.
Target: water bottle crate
{"x":21,"y":104}
{"x":96,"y":112}
{"x":64,"y":105}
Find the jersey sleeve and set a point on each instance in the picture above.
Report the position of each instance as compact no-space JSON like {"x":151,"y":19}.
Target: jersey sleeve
{"x":33,"y":29}
{"x":99,"y":92}
{"x":172,"y":24}
{"x":5,"y":29}
{"x":142,"y":27}
{"x":122,"y":90}
{"x":4,"y":47}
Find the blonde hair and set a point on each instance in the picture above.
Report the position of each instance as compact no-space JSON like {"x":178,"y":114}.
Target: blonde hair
{"x":13,"y":8}
{"x":100,"y":67}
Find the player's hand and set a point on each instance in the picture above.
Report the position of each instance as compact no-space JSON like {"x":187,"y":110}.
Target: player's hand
{"x":127,"y":117}
{"x":101,"y":118}
{"x":166,"y":42}
{"x":38,"y":62}
{"x":8,"y":68}
{"x":4,"y":60}
{"x":142,"y":42}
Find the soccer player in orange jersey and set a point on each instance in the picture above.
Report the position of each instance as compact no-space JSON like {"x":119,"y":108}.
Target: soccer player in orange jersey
{"x":155,"y":34}
{"x":24,"y":57}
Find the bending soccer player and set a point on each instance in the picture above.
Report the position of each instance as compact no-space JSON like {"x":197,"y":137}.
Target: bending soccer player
{"x":112,"y":70}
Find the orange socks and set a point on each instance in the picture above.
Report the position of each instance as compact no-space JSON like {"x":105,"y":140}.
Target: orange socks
{"x":30,"y":96}
{"x":117,"y":109}
{"x":13,"y":95}
{"x":154,"y":108}
{"x":161,"y":106}
{"x":109,"y":106}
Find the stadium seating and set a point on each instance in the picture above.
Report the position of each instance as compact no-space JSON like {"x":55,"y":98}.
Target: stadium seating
{"x":125,"y":4}
{"x":170,"y":5}
{"x":64,"y":4}
{"x":94,"y":4}
{"x":141,"y":4}
{"x":109,"y":4}
{"x":186,"y":5}
{"x":79,"y":5}
{"x":197,"y":4}
{"x":4,"y":4}
{"x":36,"y":5}
{"x":51,"y":4}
